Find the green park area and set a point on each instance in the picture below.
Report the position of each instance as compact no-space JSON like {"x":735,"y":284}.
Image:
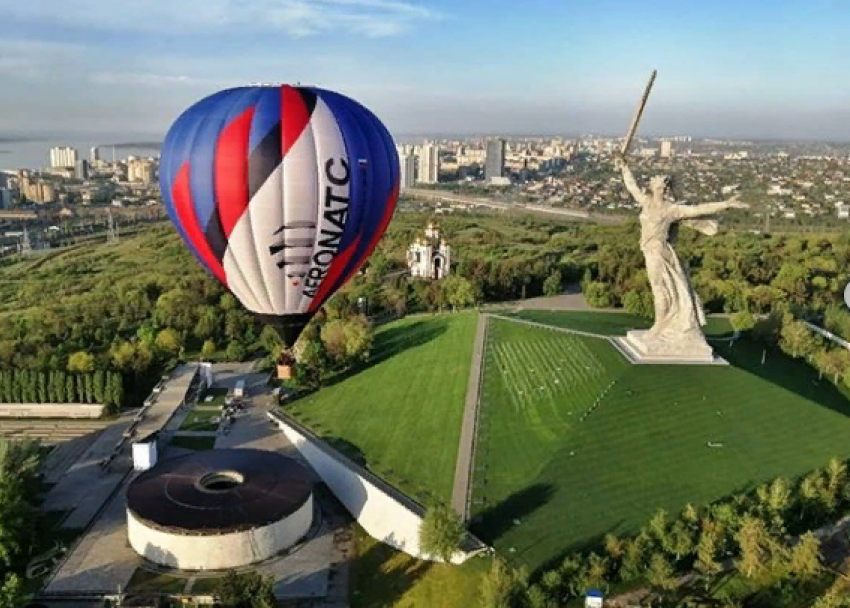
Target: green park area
{"x":575,"y":443}
{"x":402,"y":414}
{"x":203,"y":419}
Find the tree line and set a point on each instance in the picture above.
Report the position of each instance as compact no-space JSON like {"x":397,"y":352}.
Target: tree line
{"x":765,"y":538}
{"x":31,"y":386}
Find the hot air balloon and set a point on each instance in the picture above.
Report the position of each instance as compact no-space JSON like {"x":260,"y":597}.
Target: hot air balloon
{"x":281,"y":193}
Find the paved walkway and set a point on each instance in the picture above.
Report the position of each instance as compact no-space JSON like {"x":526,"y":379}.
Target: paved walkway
{"x":465,"y":452}
{"x":103,"y":559}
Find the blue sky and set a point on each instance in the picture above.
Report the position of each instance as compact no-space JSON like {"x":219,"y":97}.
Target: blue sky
{"x":745,"y":68}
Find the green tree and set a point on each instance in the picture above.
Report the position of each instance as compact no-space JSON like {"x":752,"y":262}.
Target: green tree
{"x":743,"y":321}
{"x":634,"y":555}
{"x":552,"y":286}
{"x":98,"y":385}
{"x":659,"y":574}
{"x":459,"y":292}
{"x":169,"y":342}
{"x":247,"y":590}
{"x":42,"y":387}
{"x":208,"y":349}
{"x":270,"y":340}
{"x":70,"y":389}
{"x":88,"y":382}
{"x":796,"y":339}
{"x":80,"y":362}
{"x":358,"y":338}
{"x":500,"y":586}
{"x":638,"y":303}
{"x":441,"y":532}
{"x":81,"y":388}
{"x":12,"y":592}
{"x":235,"y":351}
{"x":208,"y":323}
{"x":679,"y":541}
{"x":123,"y":355}
{"x":707,"y":549}
{"x":597,"y":294}
{"x":805,"y":558}
{"x":177,"y":309}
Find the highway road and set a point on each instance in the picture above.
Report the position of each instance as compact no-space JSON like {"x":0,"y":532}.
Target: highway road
{"x":450,"y":197}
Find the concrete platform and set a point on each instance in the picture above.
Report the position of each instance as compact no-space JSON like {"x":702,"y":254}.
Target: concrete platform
{"x":103,"y":559}
{"x":633,"y":349}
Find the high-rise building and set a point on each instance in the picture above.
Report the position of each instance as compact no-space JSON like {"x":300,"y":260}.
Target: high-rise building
{"x":81,"y":170}
{"x":494,"y":165}
{"x":5,"y":198}
{"x":94,"y":155}
{"x":47,"y":193}
{"x":407,"y":167}
{"x":429,"y":164}
{"x":139,"y":170}
{"x":666,"y":149}
{"x":63,"y":157}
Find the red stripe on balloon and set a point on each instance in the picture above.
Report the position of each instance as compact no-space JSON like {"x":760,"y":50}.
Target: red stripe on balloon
{"x":294,"y":115}
{"x":231,"y":170}
{"x":337,"y":266}
{"x":181,"y":193}
{"x":389,"y":208}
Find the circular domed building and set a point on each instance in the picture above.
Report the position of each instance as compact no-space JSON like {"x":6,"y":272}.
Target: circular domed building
{"x":219,"y":509}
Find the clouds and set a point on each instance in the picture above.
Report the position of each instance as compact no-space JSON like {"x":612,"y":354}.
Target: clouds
{"x":296,"y":18}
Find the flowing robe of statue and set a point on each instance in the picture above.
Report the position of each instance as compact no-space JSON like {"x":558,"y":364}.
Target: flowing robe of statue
{"x":679,"y":314}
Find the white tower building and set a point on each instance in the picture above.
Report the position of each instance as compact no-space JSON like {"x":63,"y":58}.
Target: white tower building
{"x":429,"y":258}
{"x":407,"y":166}
{"x":429,"y":164}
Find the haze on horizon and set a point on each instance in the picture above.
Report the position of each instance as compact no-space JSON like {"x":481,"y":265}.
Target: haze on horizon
{"x":745,"y":69}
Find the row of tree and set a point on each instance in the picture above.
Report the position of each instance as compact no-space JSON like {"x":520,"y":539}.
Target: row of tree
{"x":30,"y":386}
{"x":764,"y":537}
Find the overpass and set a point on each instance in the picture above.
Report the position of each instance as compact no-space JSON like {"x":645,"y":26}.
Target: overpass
{"x":459,"y":199}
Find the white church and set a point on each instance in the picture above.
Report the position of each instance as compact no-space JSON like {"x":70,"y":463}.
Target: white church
{"x":429,"y":258}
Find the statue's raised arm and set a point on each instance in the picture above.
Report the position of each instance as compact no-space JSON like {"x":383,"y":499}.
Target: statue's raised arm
{"x":638,"y":193}
{"x":681,"y":212}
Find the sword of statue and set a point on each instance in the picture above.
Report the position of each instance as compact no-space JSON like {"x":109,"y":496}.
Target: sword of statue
{"x":638,"y":113}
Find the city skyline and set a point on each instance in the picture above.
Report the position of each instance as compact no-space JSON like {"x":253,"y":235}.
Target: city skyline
{"x":744,"y":70}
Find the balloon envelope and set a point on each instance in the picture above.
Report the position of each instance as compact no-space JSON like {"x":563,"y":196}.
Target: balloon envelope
{"x":281,"y":193}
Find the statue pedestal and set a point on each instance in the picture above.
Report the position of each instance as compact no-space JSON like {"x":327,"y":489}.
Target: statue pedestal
{"x":640,"y":347}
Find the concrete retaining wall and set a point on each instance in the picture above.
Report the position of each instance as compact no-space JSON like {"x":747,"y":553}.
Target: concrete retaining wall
{"x":50,"y":410}
{"x":218,"y":552}
{"x":384,"y":512}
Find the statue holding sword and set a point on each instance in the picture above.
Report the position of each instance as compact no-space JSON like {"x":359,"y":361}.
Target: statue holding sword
{"x":679,"y":314}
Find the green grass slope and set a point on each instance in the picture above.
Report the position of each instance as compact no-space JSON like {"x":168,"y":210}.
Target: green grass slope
{"x":402,"y":415}
{"x":645,"y":446}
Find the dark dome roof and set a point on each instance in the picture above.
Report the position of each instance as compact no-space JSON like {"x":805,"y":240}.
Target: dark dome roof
{"x":218,"y":491}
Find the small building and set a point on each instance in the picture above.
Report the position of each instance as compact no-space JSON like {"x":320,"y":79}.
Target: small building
{"x":429,"y":258}
{"x":593,"y":599}
{"x":145,"y":452}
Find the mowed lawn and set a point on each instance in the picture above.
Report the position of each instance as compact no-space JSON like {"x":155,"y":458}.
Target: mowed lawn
{"x":645,"y":444}
{"x":402,"y":414}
